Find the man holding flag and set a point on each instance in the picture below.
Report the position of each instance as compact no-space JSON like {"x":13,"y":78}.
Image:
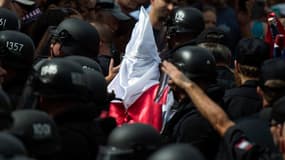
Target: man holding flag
{"x":137,"y":82}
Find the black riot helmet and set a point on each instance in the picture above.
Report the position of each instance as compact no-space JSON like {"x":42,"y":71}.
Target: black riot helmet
{"x":177,"y":152}
{"x":95,"y":81}
{"x":85,"y":62}
{"x":18,"y":158}
{"x":37,"y":131}
{"x":63,"y":79}
{"x":77,"y":37}
{"x":132,"y":142}
{"x":5,"y":103}
{"x":97,"y":86}
{"x":9,"y":20}
{"x":59,"y":78}
{"x":186,"y":20}
{"x":11,"y":146}
{"x":195,"y":62}
{"x":6,"y":119}
{"x":16,"y":50}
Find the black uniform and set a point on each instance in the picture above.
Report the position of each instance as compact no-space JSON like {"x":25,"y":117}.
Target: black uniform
{"x":79,"y":94}
{"x":225,"y":77}
{"x":17,"y":54}
{"x":81,"y":135}
{"x":104,"y":62}
{"x":241,"y":148}
{"x":188,"y":126}
{"x":243,"y":101}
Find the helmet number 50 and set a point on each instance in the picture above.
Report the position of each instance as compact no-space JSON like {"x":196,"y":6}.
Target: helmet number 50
{"x":14,"y":46}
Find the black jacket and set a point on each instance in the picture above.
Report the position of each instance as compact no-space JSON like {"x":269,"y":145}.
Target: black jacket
{"x":188,"y":126}
{"x":225,"y":77}
{"x":243,"y":101}
{"x":81,"y":135}
{"x":241,"y":148}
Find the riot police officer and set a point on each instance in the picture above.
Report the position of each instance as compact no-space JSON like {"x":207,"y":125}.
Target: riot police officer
{"x":9,"y":20}
{"x":185,"y":24}
{"x":243,"y":100}
{"x":75,"y":37}
{"x":186,"y":125}
{"x":236,"y":140}
{"x":38,"y":132}
{"x":74,"y":98}
{"x":17,"y":54}
{"x":131,"y":141}
{"x":85,"y":62}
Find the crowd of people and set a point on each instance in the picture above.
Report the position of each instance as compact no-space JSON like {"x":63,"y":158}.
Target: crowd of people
{"x":142,"y":80}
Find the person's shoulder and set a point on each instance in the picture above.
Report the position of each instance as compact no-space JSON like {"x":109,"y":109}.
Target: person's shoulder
{"x":232,"y":92}
{"x":242,"y":91}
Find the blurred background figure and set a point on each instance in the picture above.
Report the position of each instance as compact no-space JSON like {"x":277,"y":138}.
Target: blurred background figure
{"x":258,"y":15}
{"x":210,"y":16}
{"x":226,"y":18}
{"x":106,"y":47}
{"x":109,"y":13}
{"x":128,"y":6}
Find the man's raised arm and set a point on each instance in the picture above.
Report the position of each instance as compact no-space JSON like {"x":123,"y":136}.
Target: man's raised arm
{"x":207,"y":107}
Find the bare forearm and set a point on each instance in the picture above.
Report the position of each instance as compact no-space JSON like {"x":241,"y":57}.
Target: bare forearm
{"x":208,"y":108}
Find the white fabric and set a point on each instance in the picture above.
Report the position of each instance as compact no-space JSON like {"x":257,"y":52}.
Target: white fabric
{"x":167,"y":112}
{"x":140,"y":66}
{"x":135,"y":14}
{"x":26,"y":2}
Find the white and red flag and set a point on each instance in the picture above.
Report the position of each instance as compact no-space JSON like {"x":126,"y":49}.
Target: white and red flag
{"x":138,"y":79}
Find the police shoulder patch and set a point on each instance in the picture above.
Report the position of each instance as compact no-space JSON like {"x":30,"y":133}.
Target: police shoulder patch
{"x":243,"y":144}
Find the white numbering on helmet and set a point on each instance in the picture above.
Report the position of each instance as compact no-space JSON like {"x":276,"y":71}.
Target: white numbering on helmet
{"x":14,"y":46}
{"x":49,"y":70}
{"x":41,"y":130}
{"x":179,"y":16}
{"x":3,"y":22}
